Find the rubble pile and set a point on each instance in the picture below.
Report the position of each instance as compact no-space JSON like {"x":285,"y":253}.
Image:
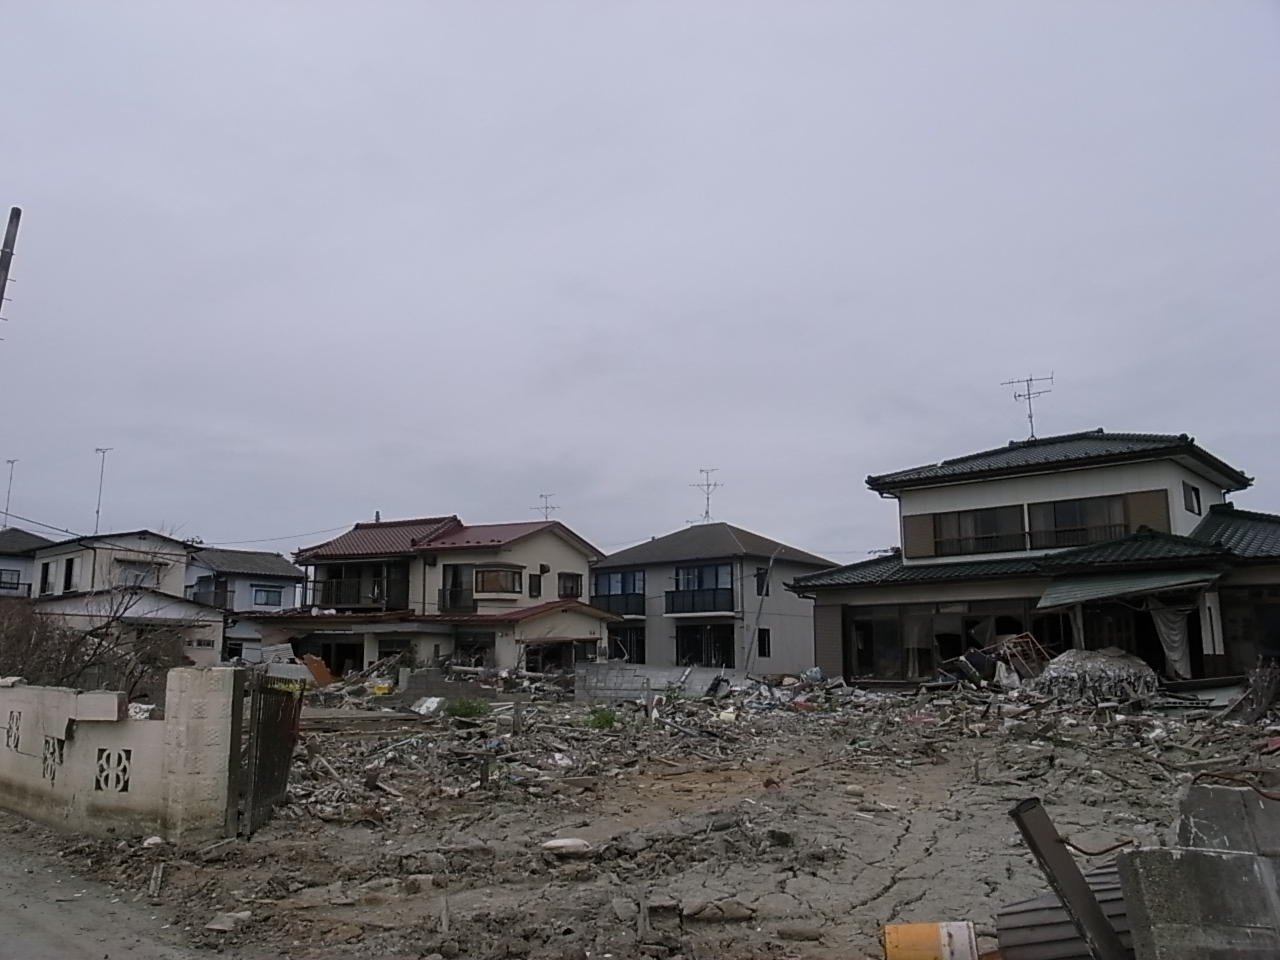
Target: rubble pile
{"x":1098,"y":675}
{"x":760,"y":820}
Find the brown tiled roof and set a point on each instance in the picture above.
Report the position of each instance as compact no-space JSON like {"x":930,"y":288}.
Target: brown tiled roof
{"x":387,"y":538}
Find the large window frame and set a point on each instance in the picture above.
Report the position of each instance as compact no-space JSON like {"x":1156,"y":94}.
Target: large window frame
{"x":569,"y":585}
{"x":984,"y":530}
{"x":618,"y":583}
{"x":1054,"y":524}
{"x":707,"y":576}
{"x":498,"y":580}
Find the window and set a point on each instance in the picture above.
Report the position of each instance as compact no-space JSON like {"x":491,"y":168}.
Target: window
{"x":711,"y":577}
{"x":1073,"y":523}
{"x":762,"y":581}
{"x":570,"y":585}
{"x":626,"y":643}
{"x":1191,"y":498}
{"x":136,"y":573}
{"x":498,"y":581}
{"x":619,"y":584}
{"x":991,"y":530}
{"x":205,"y":643}
{"x":764,"y":643}
{"x":46,"y":577}
{"x":265,"y":595}
{"x":9,"y":579}
{"x":68,"y":574}
{"x":535,"y":586}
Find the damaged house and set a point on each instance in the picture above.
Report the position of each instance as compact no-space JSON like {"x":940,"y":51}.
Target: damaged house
{"x":501,"y":595}
{"x":1085,"y":540}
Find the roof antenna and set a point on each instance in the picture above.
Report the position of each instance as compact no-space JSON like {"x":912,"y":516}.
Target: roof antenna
{"x":1030,"y":393}
{"x":377,"y":516}
{"x":547,"y":507}
{"x":708,"y":487}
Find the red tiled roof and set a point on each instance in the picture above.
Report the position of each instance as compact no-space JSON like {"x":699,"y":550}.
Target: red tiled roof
{"x":380,"y":539}
{"x":471,"y":535}
{"x":516,"y":615}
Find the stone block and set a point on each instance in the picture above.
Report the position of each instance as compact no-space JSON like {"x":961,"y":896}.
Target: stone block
{"x":1186,"y":904}
{"x":1213,"y":818}
{"x":101,"y":705}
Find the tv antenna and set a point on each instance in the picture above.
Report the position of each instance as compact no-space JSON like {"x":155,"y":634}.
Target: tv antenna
{"x":9,"y":492}
{"x":1029,"y":393}
{"x":102,"y":469}
{"x":547,"y":507}
{"x":708,"y":487}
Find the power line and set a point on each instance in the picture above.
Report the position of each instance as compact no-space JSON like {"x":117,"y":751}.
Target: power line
{"x":291,"y":536}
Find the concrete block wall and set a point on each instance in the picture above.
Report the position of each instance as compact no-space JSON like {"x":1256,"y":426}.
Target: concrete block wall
{"x":617,"y":680}
{"x":72,"y":761}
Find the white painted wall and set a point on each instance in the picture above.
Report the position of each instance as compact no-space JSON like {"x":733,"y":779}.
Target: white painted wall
{"x":1063,"y":485}
{"x":95,"y":566}
{"x":544,"y":547}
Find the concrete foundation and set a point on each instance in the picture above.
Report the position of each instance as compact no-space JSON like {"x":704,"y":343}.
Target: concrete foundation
{"x":72,"y":760}
{"x":615,"y":680}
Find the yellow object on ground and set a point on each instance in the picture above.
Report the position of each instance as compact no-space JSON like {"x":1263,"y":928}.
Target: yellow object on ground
{"x":930,"y":941}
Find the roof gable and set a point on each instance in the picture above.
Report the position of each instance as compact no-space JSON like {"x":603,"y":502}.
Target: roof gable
{"x":709,"y":541}
{"x":16,"y":542}
{"x":1245,"y":533}
{"x":1046,"y":454}
{"x":489,"y":536}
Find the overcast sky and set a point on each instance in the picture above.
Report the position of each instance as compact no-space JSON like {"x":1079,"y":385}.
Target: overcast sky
{"x":298,"y":262}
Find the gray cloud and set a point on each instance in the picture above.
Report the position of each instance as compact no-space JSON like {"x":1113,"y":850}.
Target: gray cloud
{"x":298,"y":262}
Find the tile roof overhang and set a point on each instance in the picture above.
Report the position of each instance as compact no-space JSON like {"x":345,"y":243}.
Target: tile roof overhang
{"x":1247,"y":534}
{"x":1066,"y":451}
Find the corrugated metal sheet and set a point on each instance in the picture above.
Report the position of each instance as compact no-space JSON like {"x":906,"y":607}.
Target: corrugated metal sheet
{"x":1039,"y":929}
{"x":1068,"y":591}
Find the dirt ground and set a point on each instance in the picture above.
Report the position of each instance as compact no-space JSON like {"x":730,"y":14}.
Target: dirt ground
{"x":748,"y":834}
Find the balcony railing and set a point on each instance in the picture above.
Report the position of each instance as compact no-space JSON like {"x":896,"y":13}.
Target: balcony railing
{"x":623,"y":604}
{"x":15,"y":589}
{"x":222,"y":599}
{"x":1076,"y":536}
{"x":457,"y":600}
{"x":383,"y":593}
{"x":718,"y":600}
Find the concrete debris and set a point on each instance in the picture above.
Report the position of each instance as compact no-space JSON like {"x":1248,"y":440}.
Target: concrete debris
{"x":739,"y":825}
{"x":1098,"y":675}
{"x":227,"y":922}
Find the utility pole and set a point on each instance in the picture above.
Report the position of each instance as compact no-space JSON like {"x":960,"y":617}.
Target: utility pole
{"x":6,"y":251}
{"x":9,"y":492}
{"x":708,"y":487}
{"x":547,"y":507}
{"x":1028,"y":394}
{"x":97,"y":514}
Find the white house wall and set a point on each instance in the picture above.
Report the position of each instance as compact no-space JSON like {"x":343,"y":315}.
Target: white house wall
{"x":1063,"y":485}
{"x":544,"y":547}
{"x":95,"y":562}
{"x":26,"y":571}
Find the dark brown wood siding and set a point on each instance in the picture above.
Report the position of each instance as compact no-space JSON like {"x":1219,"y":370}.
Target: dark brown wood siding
{"x":827,"y":638}
{"x":917,"y":535}
{"x":1148,"y":508}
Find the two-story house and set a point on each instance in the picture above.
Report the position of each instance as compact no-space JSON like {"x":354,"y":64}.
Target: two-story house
{"x":134,"y":580}
{"x":242,"y":582}
{"x":1090,"y":540}
{"x":17,"y":561}
{"x":502,"y":595}
{"x":708,"y":595}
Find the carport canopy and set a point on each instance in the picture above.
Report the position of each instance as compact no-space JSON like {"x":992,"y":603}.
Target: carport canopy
{"x":1069,"y":591}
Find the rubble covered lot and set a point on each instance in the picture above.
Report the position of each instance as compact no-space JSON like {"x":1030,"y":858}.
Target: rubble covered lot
{"x":748,"y":826}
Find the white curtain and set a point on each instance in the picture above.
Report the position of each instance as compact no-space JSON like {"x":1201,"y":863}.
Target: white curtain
{"x":1171,"y":626}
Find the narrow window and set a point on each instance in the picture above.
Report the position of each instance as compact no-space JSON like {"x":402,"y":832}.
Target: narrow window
{"x":535,"y":586}
{"x":762,"y":581}
{"x":46,"y":577}
{"x":1191,"y":498}
{"x":68,"y":574}
{"x":764,"y":645}
{"x":570,"y":585}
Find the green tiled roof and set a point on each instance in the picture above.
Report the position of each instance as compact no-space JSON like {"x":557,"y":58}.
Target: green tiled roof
{"x":891,"y":569}
{"x":1043,"y":454}
{"x":1143,"y":547}
{"x":1251,"y":535}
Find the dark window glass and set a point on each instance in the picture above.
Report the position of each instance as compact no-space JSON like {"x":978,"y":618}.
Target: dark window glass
{"x":570,"y":585}
{"x":498,"y":581}
{"x":535,"y":585}
{"x":764,"y":644}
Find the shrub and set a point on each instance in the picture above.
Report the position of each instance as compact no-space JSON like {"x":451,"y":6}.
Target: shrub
{"x":468,"y":709}
{"x":602,"y":718}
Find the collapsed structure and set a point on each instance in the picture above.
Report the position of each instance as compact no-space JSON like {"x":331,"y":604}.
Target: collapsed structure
{"x":1088,"y":540}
